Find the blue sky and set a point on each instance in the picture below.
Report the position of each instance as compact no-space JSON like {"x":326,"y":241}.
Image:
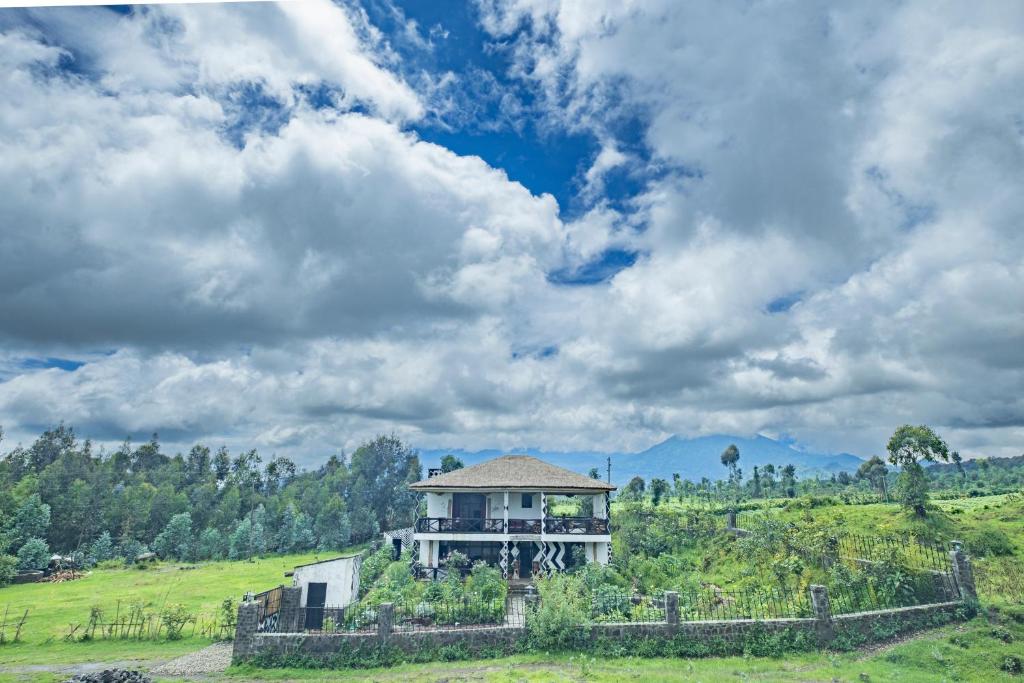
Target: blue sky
{"x":294,"y":226}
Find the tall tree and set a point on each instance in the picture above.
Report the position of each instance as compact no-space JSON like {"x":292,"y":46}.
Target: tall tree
{"x":908,"y":446}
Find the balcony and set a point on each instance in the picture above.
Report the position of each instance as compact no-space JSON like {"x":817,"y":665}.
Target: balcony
{"x":575,"y":525}
{"x":552,"y":525}
{"x":459,"y":525}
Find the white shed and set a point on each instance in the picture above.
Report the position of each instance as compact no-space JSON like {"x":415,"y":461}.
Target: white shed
{"x":329,"y":583}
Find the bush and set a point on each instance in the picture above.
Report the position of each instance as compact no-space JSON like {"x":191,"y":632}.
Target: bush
{"x":556,"y":623}
{"x":35,"y":554}
{"x":8,"y":568}
{"x":102,"y":549}
{"x":990,"y":542}
{"x":1012,"y":665}
{"x":372,"y":567}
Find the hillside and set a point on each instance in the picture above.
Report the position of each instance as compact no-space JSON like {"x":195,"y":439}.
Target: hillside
{"x":690,"y":458}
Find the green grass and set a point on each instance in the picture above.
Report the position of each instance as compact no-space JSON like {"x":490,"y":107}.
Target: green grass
{"x":964,"y":652}
{"x":54,"y":606}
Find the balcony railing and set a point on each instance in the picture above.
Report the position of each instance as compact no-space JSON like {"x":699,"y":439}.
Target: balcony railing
{"x":437,"y":573}
{"x":524,"y":526}
{"x":575,"y":525}
{"x":458,"y":525}
{"x":552,"y":525}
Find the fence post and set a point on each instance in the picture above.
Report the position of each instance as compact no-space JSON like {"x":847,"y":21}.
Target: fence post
{"x":290,"y":611}
{"x":821,"y":607}
{"x":963,"y":574}
{"x":245,"y":629}
{"x":385,"y":621}
{"x":672,"y":607}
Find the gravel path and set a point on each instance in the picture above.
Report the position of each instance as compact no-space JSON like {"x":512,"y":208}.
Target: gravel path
{"x":209,"y":660}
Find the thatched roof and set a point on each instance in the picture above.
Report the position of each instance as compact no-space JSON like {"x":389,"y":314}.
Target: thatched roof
{"x":516,"y":473}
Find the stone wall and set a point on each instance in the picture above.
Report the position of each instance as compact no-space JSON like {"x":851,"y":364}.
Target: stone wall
{"x":823,"y":627}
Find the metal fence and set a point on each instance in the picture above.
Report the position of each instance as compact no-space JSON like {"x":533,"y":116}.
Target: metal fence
{"x":750,"y":603}
{"x":469,"y":612}
{"x":607,"y":606}
{"x":910,"y":552}
{"x":919,"y":588}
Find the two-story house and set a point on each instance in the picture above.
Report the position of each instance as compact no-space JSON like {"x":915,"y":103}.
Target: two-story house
{"x":502,"y":512}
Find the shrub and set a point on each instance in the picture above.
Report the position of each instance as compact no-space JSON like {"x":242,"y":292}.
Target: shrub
{"x":1012,"y":665}
{"x":556,"y":623}
{"x":990,"y":542}
{"x":102,"y":549}
{"x":35,"y":554}
{"x":8,"y":568}
{"x":372,"y":567}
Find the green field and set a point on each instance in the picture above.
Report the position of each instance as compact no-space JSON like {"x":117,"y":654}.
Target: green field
{"x":53,"y":607}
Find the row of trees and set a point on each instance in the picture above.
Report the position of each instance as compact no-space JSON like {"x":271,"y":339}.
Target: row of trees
{"x":60,"y":495}
{"x":908,"y":448}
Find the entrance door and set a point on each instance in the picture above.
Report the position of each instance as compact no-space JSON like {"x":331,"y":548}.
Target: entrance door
{"x":316,"y":596}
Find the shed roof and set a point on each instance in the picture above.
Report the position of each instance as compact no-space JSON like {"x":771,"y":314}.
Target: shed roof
{"x":513,"y":472}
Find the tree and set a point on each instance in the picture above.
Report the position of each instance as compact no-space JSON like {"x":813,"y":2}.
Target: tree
{"x":222,"y":464}
{"x":908,"y":446}
{"x":197,"y":467}
{"x":450,"y":463}
{"x":34,"y":554}
{"x":789,"y":480}
{"x":875,"y":471}
{"x":210,"y":545}
{"x":659,"y":490}
{"x":381,"y":472}
{"x":730,"y":457}
{"x":634,"y":490}
{"x":31,"y":519}
{"x":332,"y":527}
{"x":594,"y":473}
{"x":757,"y":483}
{"x":102,"y":549}
{"x":959,"y":462}
{"x":175,"y":541}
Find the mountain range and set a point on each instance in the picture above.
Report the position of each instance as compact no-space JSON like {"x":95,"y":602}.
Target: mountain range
{"x":691,"y":458}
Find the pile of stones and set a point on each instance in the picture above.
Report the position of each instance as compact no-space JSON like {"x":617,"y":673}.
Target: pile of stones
{"x":112,"y":676}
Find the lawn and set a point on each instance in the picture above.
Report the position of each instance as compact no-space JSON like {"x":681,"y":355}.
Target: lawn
{"x":199,"y":588}
{"x":973,"y":651}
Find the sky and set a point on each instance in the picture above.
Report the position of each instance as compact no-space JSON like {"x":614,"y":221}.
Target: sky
{"x":563,"y":224}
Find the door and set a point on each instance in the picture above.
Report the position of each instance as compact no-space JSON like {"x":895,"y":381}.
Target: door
{"x":316,"y":596}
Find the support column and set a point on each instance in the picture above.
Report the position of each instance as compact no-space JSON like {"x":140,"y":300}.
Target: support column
{"x":245,"y":630}
{"x":503,"y":559}
{"x":505,"y":526}
{"x":290,"y":619}
{"x":963,"y":574}
{"x":672,"y":607}
{"x":385,"y":621}
{"x":821,"y":609}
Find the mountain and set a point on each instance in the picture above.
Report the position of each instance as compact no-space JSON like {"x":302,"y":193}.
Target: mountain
{"x":690,"y":458}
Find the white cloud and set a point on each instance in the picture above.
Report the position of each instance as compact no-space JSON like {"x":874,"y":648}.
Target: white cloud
{"x":328,"y":275}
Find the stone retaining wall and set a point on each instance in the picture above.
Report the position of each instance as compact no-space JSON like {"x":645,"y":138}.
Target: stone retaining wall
{"x":822,"y":627}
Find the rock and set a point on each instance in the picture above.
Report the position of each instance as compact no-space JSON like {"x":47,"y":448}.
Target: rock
{"x":111,"y":676}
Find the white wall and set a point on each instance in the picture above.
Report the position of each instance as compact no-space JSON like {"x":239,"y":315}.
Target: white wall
{"x":341,"y":577}
{"x":437,"y":504}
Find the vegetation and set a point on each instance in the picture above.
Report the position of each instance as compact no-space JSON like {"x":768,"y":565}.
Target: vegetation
{"x":58,"y":495}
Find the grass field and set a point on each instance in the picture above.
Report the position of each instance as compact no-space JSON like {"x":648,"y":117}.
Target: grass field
{"x":966,"y":652}
{"x":54,"y":606}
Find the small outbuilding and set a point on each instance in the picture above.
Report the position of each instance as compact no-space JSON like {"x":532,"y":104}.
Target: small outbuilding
{"x":329,"y":583}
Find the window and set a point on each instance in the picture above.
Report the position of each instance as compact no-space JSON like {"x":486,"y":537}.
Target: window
{"x":527,"y":500}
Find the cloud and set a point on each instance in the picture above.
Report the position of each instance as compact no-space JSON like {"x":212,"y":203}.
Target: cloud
{"x":225,"y":214}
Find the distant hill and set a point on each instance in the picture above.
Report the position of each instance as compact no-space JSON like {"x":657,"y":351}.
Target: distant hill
{"x":690,"y":458}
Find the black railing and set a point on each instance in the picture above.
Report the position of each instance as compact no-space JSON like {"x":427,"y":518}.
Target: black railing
{"x":437,"y":573}
{"x":552,"y":525}
{"x":524,"y":526}
{"x":575,"y":525}
{"x":441,"y":525}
